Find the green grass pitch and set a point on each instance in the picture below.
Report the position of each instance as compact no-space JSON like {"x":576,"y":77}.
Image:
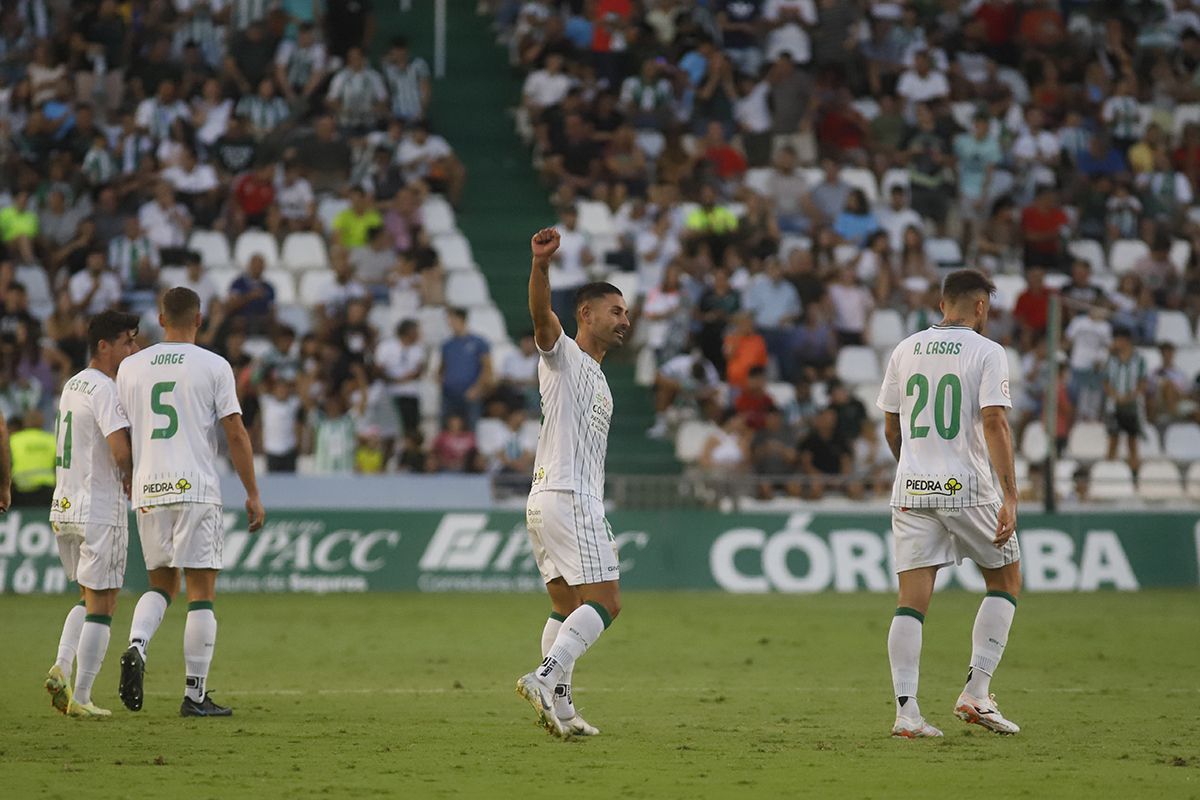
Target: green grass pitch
{"x":697,"y":695}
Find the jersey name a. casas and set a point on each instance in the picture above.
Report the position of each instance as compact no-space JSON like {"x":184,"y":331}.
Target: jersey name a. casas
{"x":939,"y":381}
{"x":577,"y":409}
{"x":87,"y":485}
{"x":175,"y":394}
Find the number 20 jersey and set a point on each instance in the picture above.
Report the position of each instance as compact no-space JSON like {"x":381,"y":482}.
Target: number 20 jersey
{"x":939,"y":381}
{"x":87,"y":485}
{"x":175,"y":394}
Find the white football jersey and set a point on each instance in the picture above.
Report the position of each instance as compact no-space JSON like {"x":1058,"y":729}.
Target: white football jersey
{"x":938,"y":381}
{"x":577,"y":410}
{"x":87,"y":485}
{"x":175,"y":394}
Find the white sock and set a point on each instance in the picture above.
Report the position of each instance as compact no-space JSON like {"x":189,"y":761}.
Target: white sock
{"x":69,"y":640}
{"x":199,"y":638}
{"x":147,"y":616}
{"x":579,"y":632}
{"x":564,"y":704}
{"x":904,"y":652}
{"x":93,"y":644}
{"x":988,"y":638}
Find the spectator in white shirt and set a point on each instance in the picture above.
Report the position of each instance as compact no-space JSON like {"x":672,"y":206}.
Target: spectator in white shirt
{"x":201,"y":283}
{"x":94,"y":288}
{"x":282,"y":424}
{"x":545,"y":87}
{"x":357,"y":95}
{"x":852,"y":306}
{"x":427,"y":156}
{"x":568,"y":268}
{"x":518,"y":378}
{"x":166,"y":223}
{"x":788,"y":22}
{"x":196,"y":185}
{"x":403,"y":360}
{"x":921,"y":84}
{"x":295,"y":198}
{"x":156,"y":115}
{"x":897,"y":217}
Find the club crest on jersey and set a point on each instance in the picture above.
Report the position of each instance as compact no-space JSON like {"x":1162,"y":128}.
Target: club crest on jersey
{"x":164,"y":488}
{"x":923,"y":487}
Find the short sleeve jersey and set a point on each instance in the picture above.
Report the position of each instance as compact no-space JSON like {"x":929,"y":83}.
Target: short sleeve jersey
{"x":939,"y":381}
{"x":175,"y":393}
{"x":577,"y":409}
{"x":87,"y":482}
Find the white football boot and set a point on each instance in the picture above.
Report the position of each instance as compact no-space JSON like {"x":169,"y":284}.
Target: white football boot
{"x":907,"y":728}
{"x":979,"y":711}
{"x":541,"y":697}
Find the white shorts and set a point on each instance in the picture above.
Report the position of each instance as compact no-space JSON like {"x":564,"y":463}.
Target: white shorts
{"x":571,"y":538}
{"x":937,"y":537}
{"x":182,"y":535}
{"x":92,"y":554}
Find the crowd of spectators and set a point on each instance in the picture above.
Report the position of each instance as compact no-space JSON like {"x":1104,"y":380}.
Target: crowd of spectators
{"x":145,"y":145}
{"x":779,"y":182}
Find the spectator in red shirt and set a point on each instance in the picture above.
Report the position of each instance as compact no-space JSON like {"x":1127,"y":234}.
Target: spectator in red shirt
{"x":842,"y":130}
{"x":1042,"y":228}
{"x":254,"y":200}
{"x":1033,"y":308}
{"x":753,"y":403}
{"x":999,"y":20}
{"x":726,"y":160}
{"x":455,"y":449}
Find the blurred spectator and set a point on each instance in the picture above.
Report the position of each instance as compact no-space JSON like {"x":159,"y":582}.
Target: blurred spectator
{"x":852,"y":305}
{"x":826,"y":460}
{"x":774,"y":458}
{"x":745,"y":350}
{"x":1032,"y":309}
{"x":689,"y":379}
{"x":568,"y":268}
{"x":753,"y":402}
{"x":726,"y":452}
{"x":34,"y":456}
{"x":513,"y":463}
{"x":19,"y":228}
{"x":517,"y":377}
{"x":718,"y":304}
{"x":775,"y":305}
{"x":667,"y":315}
{"x":352,"y":226}
{"x":251,"y":298}
{"x":282,"y":424}
{"x":96,"y":287}
{"x":1166,"y":387}
{"x":454,"y":448}
{"x":1043,"y":230}
{"x":326,"y":155}
{"x":403,"y":361}
{"x":1089,"y":337}
{"x":166,"y":224}
{"x":334,"y":438}
{"x":1124,"y":395}
{"x":465,"y":372}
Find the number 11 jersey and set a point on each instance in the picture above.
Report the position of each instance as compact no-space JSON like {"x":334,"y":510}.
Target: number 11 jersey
{"x":175,"y":394}
{"x":87,"y":485}
{"x":939,"y":381}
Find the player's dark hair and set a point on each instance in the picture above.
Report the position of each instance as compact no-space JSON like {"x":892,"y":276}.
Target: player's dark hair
{"x":963,"y":282}
{"x":592,"y":291}
{"x":107,"y":326}
{"x":180,"y":306}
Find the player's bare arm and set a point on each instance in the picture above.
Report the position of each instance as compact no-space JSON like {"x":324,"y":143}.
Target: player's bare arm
{"x":242,"y":456}
{"x":891,"y":432}
{"x":1000,"y":448}
{"x":546,"y":326}
{"x":122,"y":452}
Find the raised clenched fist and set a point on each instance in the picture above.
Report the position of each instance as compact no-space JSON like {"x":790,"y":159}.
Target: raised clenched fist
{"x":544,"y":243}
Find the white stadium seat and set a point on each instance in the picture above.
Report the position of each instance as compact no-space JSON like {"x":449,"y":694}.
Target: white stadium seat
{"x":491,"y":434}
{"x":1112,"y":480}
{"x":628,"y":282}
{"x":222,"y":279}
{"x":1192,"y":481}
{"x":885,"y":329}
{"x":1149,"y":447}
{"x":1153,"y":358}
{"x":788,"y":243}
{"x":1185,"y":114}
{"x":454,"y":251}
{"x":894,"y":177}
{"x":213,"y":248}
{"x":944,"y":252}
{"x":467,"y":289}
{"x":1124,"y":253}
{"x":437,"y":216}
{"x":328,"y":208}
{"x":646,"y":368}
{"x":1008,"y":289}
{"x":304,"y":250}
{"x":864,"y":179}
{"x":284,"y":284}
{"x":782,"y":394}
{"x":1173,"y":327}
{"x":758,"y":180}
{"x":1188,"y":361}
{"x":531,"y":429}
{"x":857,"y":365}
{"x":1181,"y":441}
{"x":255,"y":242}
{"x":596,"y":218}
{"x":1090,"y":251}
{"x":1159,"y":480}
{"x":316,"y":286}
{"x":488,"y":322}
{"x":1088,"y":441}
{"x":1064,"y":476}
{"x":1180,"y":254}
{"x":435,"y":327}
{"x":168,"y":277}
{"x":1034,"y":444}
{"x":691,"y":438}
{"x":295,"y":316}
{"x":37,"y":290}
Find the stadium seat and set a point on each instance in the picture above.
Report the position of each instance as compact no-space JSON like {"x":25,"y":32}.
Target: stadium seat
{"x":1153,"y":358}
{"x":691,"y":438}
{"x":1159,"y":480}
{"x":596,"y":219}
{"x":963,"y":113}
{"x":531,"y":429}
{"x":1188,"y":361}
{"x":222,"y":279}
{"x":213,"y":248}
{"x":1016,"y":373}
{"x":1192,"y":481}
{"x":295,"y":316}
{"x":467,"y":289}
{"x":628,"y":282}
{"x":37,"y":290}
{"x":857,"y":365}
{"x":1090,"y":251}
{"x":304,"y":250}
{"x":863,"y":179}
{"x":437,"y":216}
{"x":1124,"y":253}
{"x":814,"y":175}
{"x":490,"y":435}
{"x":1149,"y":445}
{"x":1008,"y":289}
{"x":1180,"y":254}
{"x":894,"y":177}
{"x":885,"y":329}
{"x":316,"y":286}
{"x":1034,"y":444}
{"x":1087,"y":441}
{"x":1173,"y":327}
{"x":435,"y":328}
{"x":1055,"y":281}
{"x":257,"y":346}
{"x":1185,"y":114}
{"x":253,"y":242}
{"x":168,"y":277}
{"x":646,"y":368}
{"x":1181,"y":441}
{"x":1112,"y":480}
{"x":431,"y":404}
{"x":1064,"y":476}
{"x":488,"y":322}
{"x":328,"y":208}
{"x":867,"y":106}
{"x":454,"y":251}
{"x":758,"y":180}
{"x":284,"y":284}
{"x":867,"y":394}
{"x":788,"y":243}
{"x":782,"y":394}
{"x":944,"y":252}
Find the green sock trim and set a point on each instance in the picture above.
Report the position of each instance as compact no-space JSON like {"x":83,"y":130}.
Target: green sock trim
{"x":165,"y":596}
{"x":200,"y":605}
{"x":905,"y":611}
{"x":602,"y":611}
{"x":1003,"y":595}
{"x":103,"y":619}
{"x":81,"y":604}
{"x":557,"y":617}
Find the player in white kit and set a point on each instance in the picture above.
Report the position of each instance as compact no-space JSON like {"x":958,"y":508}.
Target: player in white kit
{"x":90,"y":509}
{"x":176,"y":394}
{"x":572,"y":541}
{"x":945,"y":397}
